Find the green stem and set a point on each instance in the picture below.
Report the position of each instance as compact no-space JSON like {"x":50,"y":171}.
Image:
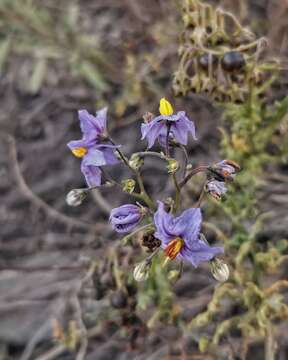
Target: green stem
{"x":126,"y":238}
{"x":186,"y":159}
{"x":177,"y":188}
{"x":177,"y":194}
{"x":143,"y":194}
{"x":201,"y":196}
{"x":151,"y":153}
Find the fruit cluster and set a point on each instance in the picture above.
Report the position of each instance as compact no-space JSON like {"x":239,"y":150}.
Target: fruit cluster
{"x":218,"y":56}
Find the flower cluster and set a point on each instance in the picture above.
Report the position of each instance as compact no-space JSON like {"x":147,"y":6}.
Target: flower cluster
{"x":176,"y":232}
{"x":218,"y":174}
{"x":177,"y":126}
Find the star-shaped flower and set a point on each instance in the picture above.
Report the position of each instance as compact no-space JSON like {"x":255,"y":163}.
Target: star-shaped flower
{"x":92,"y":148}
{"x":180,"y":236}
{"x":179,"y":124}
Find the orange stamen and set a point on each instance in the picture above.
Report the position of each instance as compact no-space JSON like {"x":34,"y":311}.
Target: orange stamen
{"x":226,"y":173}
{"x":174,"y":247}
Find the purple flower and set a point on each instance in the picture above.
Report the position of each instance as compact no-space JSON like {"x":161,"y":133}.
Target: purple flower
{"x":91,"y":148}
{"x":180,"y":126}
{"x":224,"y":170}
{"x":216,"y":189}
{"x":126,"y":217}
{"x":180,"y":236}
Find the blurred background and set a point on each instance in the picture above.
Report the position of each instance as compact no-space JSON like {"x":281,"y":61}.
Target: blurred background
{"x":60,"y":56}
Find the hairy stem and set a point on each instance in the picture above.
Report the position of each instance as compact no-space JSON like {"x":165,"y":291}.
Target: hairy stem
{"x":177,"y":194}
{"x":201,"y":168}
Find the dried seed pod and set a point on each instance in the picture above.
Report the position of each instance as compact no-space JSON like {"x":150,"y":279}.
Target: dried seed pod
{"x":151,"y":242}
{"x":233,"y":60}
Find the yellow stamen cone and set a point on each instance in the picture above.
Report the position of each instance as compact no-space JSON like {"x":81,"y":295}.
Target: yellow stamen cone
{"x":79,"y":152}
{"x":173,"y":248}
{"x":165,"y":107}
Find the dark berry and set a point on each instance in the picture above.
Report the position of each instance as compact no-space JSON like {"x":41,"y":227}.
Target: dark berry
{"x":204,"y":61}
{"x":233,"y":60}
{"x":131,"y":289}
{"x":118,"y":299}
{"x":209,"y":29}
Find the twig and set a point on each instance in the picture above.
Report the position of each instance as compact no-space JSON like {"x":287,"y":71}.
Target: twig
{"x":103,"y":204}
{"x":201,"y":196}
{"x":43,"y":329}
{"x":186,"y":159}
{"x":141,"y":228}
{"x":41,"y":268}
{"x":193,"y":172}
{"x":270,"y":345}
{"x":35,"y":199}
{"x":83,"y":331}
{"x":276,"y":287}
{"x":143,"y":194}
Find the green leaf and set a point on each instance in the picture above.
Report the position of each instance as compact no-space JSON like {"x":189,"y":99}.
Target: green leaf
{"x":5,"y":47}
{"x":93,"y":76}
{"x":38,"y":76}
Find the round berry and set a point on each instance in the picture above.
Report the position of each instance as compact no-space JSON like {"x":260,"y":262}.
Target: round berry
{"x":118,"y":299}
{"x":204,"y":60}
{"x":233,"y":60}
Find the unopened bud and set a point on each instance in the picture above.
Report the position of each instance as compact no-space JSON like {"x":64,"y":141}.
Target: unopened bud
{"x":224,"y":170}
{"x":75,"y":197}
{"x":216,"y":189}
{"x":128,"y":185}
{"x":219,"y":270}
{"x":147,"y":117}
{"x":172,"y":166}
{"x":136,"y":161}
{"x":174,"y":275}
{"x":141,"y":270}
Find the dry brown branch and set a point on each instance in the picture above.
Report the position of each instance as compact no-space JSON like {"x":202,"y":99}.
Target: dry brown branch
{"x":84,"y":333}
{"x":38,"y":202}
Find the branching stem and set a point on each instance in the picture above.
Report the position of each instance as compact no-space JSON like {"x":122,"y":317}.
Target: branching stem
{"x":201,"y":168}
{"x":143,"y":194}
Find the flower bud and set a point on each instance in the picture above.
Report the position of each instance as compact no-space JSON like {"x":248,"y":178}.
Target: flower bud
{"x":174,"y":275}
{"x":141,"y":270}
{"x":172,"y":166}
{"x":224,"y":170}
{"x":216,"y":189}
{"x":219,"y":270}
{"x":75,"y":197}
{"x":136,"y":161}
{"x":128,"y":185}
{"x":148,"y":117}
{"x":126,"y":217}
